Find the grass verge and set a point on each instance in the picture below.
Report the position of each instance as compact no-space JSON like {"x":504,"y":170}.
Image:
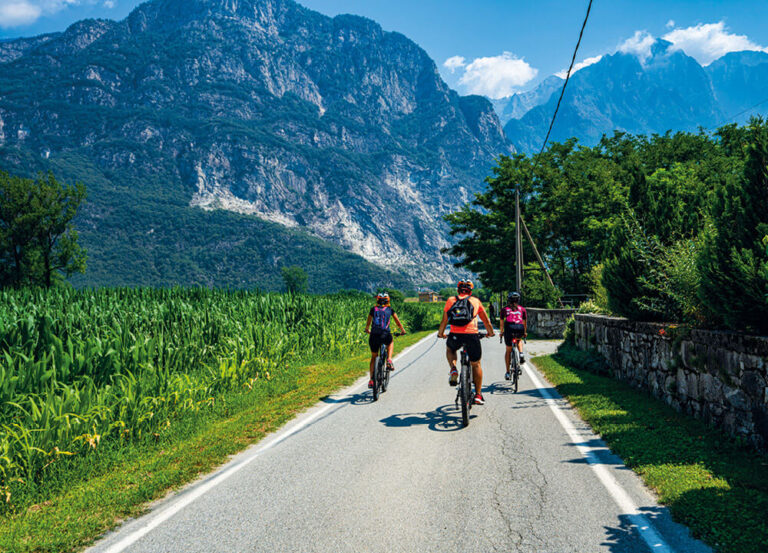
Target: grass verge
{"x":711,"y":483}
{"x":113,"y":485}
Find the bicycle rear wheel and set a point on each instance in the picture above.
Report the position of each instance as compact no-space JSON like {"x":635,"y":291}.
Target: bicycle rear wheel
{"x":516,"y":370}
{"x":466,"y":394}
{"x":383,"y":355}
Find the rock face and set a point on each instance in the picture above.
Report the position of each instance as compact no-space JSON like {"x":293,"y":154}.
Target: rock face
{"x":669,"y":90}
{"x":260,"y":107}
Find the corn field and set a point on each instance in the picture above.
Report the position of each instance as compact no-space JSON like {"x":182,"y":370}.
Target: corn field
{"x":79,"y":369}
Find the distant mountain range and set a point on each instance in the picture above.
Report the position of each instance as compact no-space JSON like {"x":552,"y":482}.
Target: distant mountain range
{"x":221,"y":140}
{"x":667,"y":91}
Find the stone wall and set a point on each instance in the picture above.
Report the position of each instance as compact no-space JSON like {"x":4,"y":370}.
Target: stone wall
{"x":718,"y":377}
{"x":548,"y":323}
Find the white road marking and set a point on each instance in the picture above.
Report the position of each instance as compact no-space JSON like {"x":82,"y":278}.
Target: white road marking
{"x":620,"y":496}
{"x":200,"y":490}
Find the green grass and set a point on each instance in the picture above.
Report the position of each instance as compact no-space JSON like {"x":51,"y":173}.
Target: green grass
{"x":116,"y":483}
{"x":710,"y":482}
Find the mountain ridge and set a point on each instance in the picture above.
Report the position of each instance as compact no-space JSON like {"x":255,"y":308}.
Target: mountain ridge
{"x":260,"y":107}
{"x":667,"y":91}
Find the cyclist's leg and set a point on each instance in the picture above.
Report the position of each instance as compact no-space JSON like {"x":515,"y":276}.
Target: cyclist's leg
{"x":373,"y":343}
{"x":477,"y":376}
{"x":475,"y":352}
{"x":507,"y":357}
{"x":452,"y":346}
{"x":520,"y":349}
{"x":390,"y":347}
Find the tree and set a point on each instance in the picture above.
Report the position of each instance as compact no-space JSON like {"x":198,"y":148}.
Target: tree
{"x":734,"y":260}
{"x":37,"y":236}
{"x":295,"y":279}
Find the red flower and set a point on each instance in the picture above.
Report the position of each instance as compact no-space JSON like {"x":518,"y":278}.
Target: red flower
{"x":662,"y":332}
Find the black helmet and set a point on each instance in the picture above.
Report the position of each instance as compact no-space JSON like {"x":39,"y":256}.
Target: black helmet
{"x":513,"y":297}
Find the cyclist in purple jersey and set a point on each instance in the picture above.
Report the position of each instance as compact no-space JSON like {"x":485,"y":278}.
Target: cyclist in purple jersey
{"x":378,"y":327}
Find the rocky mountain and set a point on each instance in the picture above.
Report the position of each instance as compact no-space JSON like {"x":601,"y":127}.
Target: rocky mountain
{"x":740,"y":81}
{"x":668,"y":90}
{"x":517,"y":105}
{"x":255,"y":107}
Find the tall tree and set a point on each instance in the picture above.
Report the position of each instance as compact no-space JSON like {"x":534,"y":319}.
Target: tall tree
{"x":734,"y":262}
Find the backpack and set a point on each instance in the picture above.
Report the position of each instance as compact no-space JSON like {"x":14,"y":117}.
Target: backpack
{"x":380,"y":318}
{"x":462,"y":312}
{"x":515,"y":317}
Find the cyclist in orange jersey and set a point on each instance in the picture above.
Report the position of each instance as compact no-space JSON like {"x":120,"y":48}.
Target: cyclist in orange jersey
{"x":462,"y":311}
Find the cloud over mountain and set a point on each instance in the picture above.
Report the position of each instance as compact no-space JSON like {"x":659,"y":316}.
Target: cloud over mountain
{"x":704,"y":42}
{"x":15,"y":13}
{"x":494,"y":76}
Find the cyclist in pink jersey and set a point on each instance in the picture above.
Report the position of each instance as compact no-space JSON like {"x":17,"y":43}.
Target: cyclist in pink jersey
{"x":514,"y":326}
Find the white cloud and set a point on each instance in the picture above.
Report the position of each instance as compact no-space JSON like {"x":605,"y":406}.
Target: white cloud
{"x":109,"y":4}
{"x":670,"y":24}
{"x":708,"y":41}
{"x":497,"y":76}
{"x":14,"y":13}
{"x":454,"y":63}
{"x":639,"y":44}
{"x":17,"y":12}
{"x":581,"y":65}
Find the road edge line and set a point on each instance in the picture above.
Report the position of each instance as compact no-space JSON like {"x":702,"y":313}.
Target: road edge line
{"x":647,"y":532}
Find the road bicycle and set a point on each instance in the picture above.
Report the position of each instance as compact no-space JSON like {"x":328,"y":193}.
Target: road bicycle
{"x":464,"y":395}
{"x":513,"y":369}
{"x":380,"y":372}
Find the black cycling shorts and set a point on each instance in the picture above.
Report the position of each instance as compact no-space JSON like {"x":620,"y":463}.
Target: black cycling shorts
{"x":512,"y":331}
{"x":471,"y":341}
{"x":377,"y":338}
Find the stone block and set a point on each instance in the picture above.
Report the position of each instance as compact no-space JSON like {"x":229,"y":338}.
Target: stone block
{"x":752,"y":384}
{"x":693,"y":386}
{"x":736,"y":398}
{"x":682,"y":383}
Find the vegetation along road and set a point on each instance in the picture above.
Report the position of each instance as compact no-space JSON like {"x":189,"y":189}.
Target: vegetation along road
{"x":402,"y":475}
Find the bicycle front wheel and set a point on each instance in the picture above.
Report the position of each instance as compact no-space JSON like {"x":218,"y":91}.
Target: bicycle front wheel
{"x":376,"y":381}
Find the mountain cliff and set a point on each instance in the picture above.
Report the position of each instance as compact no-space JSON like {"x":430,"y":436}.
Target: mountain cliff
{"x":259,"y":107}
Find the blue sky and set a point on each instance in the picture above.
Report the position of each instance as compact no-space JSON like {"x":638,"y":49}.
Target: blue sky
{"x":495,"y":46}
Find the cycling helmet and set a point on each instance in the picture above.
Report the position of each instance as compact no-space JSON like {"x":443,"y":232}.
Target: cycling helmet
{"x":513,"y":297}
{"x":465,"y":286}
{"x":382,"y":299}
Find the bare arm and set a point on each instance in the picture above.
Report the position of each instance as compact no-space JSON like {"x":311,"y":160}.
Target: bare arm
{"x":394,"y":316}
{"x":487,"y":323}
{"x":368,"y":325}
{"x":443,"y":324}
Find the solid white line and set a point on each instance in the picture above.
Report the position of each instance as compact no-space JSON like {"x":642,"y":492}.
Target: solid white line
{"x":620,"y":496}
{"x":201,"y":489}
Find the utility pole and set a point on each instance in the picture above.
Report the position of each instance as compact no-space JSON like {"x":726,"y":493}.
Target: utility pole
{"x":518,"y":243}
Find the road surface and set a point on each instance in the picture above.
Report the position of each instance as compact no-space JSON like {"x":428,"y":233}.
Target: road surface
{"x":402,"y":474}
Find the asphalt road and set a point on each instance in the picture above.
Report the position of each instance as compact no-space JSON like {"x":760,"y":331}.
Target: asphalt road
{"x":402,"y":474}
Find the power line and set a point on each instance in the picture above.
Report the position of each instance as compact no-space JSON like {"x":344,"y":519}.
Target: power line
{"x":567,"y":77}
{"x":742,"y":112}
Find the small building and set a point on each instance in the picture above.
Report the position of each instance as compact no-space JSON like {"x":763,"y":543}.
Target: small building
{"x":429,"y":297}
